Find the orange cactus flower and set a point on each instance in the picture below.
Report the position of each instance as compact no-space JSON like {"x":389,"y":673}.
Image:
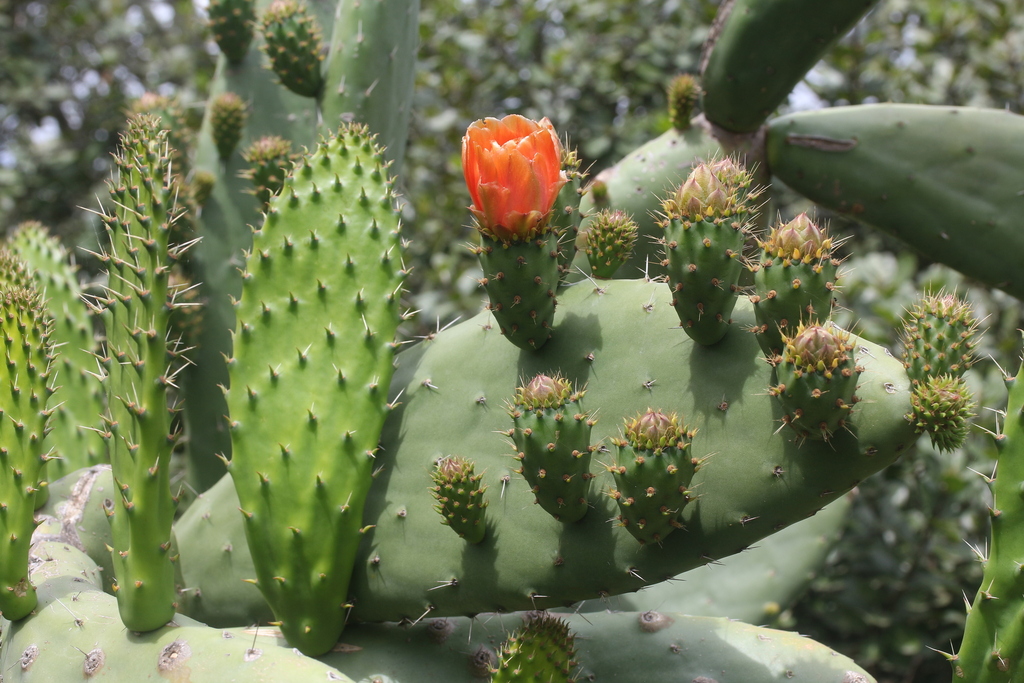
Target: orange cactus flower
{"x":513,"y":169}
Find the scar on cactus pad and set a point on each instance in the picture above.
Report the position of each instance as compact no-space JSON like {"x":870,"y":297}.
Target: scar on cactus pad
{"x":513,"y":169}
{"x":653,"y":470}
{"x":460,"y":498}
{"x":705,"y":228}
{"x":817,"y":380}
{"x":552,"y":441}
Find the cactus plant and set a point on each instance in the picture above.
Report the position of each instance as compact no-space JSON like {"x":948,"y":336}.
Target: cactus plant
{"x":340,"y":451}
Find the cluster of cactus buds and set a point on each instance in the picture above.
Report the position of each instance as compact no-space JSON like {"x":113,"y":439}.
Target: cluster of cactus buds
{"x":817,"y":380}
{"x":794,"y":280}
{"x":705,"y":227}
{"x":653,"y":470}
{"x":542,"y":649}
{"x":460,"y":497}
{"x":552,"y":441}
{"x":611,"y":237}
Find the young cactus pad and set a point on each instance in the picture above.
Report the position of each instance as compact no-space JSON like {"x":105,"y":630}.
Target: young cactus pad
{"x":460,"y":497}
{"x":552,"y":441}
{"x":26,"y":380}
{"x":312,"y":362}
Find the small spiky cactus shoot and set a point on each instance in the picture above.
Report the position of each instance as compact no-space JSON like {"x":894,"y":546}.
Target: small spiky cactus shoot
{"x":611,"y":237}
{"x":233,"y":23}
{"x":460,"y":498}
{"x":270,"y":160}
{"x":138,"y":366}
{"x":172,"y":119}
{"x":543,"y":649}
{"x":313,"y":358}
{"x":552,"y":440}
{"x":943,"y":407}
{"x":653,"y":470}
{"x":26,"y":380}
{"x":704,"y":232}
{"x":683,"y":94}
{"x":939,"y":337}
{"x":794,"y":281}
{"x":565,"y":214}
{"x":227,"y":117}
{"x":817,"y":378}
{"x":294,"y":44}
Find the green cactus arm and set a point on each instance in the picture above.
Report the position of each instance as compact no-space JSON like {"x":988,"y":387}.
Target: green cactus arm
{"x":760,"y":49}
{"x":370,"y":68}
{"x":992,"y":650}
{"x":944,"y":180}
{"x":312,"y":361}
{"x":79,"y":402}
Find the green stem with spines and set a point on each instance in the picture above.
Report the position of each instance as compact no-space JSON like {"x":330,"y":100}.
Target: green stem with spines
{"x":992,"y":650}
{"x":138,"y":375}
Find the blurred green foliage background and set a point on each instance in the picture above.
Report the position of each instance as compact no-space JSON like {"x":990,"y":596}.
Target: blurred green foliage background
{"x":894,"y":587}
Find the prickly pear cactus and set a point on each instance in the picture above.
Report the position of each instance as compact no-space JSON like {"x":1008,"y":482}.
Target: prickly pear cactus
{"x":552,"y":440}
{"x":705,"y":227}
{"x":652,"y":471}
{"x":609,"y":242}
{"x":26,"y":380}
{"x":309,"y":376}
{"x":818,"y":378}
{"x":460,"y":498}
{"x":140,"y":366}
{"x":233,"y":22}
{"x":794,"y":281}
{"x":542,"y":649}
{"x":939,"y":337}
{"x":294,"y":43}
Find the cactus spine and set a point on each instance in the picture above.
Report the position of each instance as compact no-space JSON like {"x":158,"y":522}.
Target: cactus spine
{"x":139,"y":371}
{"x":25,"y":388}
{"x":309,"y":377}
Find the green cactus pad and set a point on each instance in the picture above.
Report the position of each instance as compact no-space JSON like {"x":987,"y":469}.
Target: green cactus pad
{"x":942,"y":179}
{"x":760,"y":49}
{"x":227,"y":118}
{"x":520,"y":279}
{"x":26,"y":380}
{"x":460,"y":498}
{"x":794,"y":281}
{"x":992,"y":650}
{"x":552,"y":440}
{"x":233,"y":23}
{"x":939,"y":337}
{"x":75,"y":634}
{"x":542,"y":649}
{"x":817,"y":381}
{"x":370,"y":70}
{"x":760,"y":479}
{"x":308,"y":395}
{"x":294,"y":43}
